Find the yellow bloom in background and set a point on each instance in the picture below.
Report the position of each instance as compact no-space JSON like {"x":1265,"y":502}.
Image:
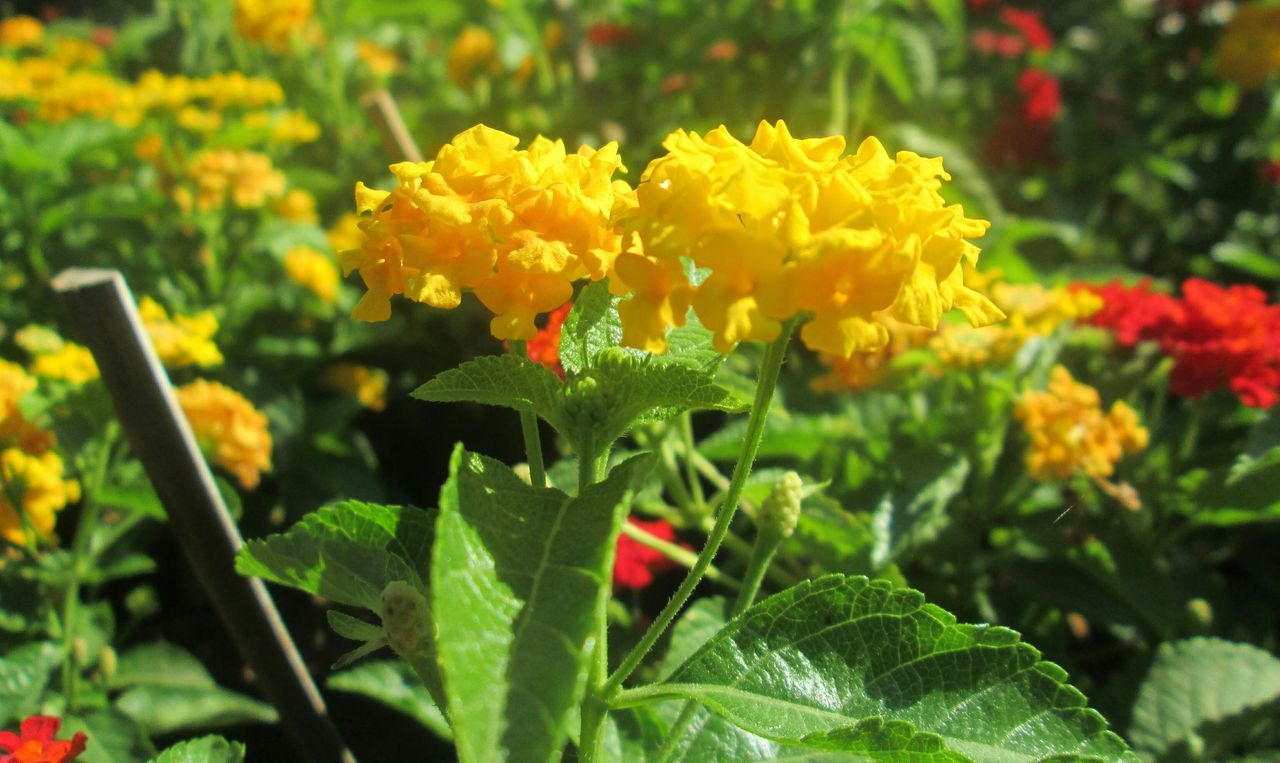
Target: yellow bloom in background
{"x":289,"y":128}
{"x":345,"y":233}
{"x":199,"y":120}
{"x":381,"y":61}
{"x":1249,"y":48}
{"x":869,"y":368}
{"x":247,"y":178}
{"x":83,"y":93}
{"x":1031,"y":309}
{"x":473,"y":52}
{"x":297,"y":205}
{"x":272,"y":22}
{"x":20,"y":32}
{"x":70,"y":52}
{"x":227,"y":89}
{"x":183,"y":340}
{"x":517,"y":227}
{"x":314,"y":271}
{"x":231,"y":432}
{"x":32,"y":487}
{"x":975,"y":347}
{"x":16,"y":430}
{"x":368,"y":385}
{"x":71,"y":363}
{"x":787,"y":225}
{"x":1070,"y":433}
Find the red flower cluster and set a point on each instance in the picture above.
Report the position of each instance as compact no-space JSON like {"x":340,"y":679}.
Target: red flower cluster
{"x":636,"y":563}
{"x":35,"y":743}
{"x":544,"y":348}
{"x":1028,"y":28}
{"x":1218,"y":336}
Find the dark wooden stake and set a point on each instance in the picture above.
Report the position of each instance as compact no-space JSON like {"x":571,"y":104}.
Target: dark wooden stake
{"x":107,"y":319}
{"x":384,"y":112}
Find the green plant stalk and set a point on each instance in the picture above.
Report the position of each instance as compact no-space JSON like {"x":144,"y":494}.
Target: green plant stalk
{"x":767,"y":543}
{"x":80,"y":550}
{"x":677,"y":731}
{"x":678,"y":554}
{"x":591,"y":467}
{"x":529,"y":428}
{"x":769,"y":370}
{"x":691,"y":471}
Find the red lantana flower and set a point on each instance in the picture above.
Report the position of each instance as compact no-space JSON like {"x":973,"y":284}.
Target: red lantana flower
{"x":1031,"y":25}
{"x":544,"y":348}
{"x":1041,"y":95}
{"x":1218,"y":336}
{"x":636,"y":563}
{"x":608,"y":34}
{"x":35,"y":743}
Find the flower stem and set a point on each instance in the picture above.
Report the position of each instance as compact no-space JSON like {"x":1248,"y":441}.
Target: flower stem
{"x":529,"y":428}
{"x":678,"y":554}
{"x":691,"y":471}
{"x":766,"y":546}
{"x":769,"y":370}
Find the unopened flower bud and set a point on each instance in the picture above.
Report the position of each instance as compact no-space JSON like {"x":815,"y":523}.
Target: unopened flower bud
{"x":79,"y":650}
{"x":780,"y":512}
{"x":1201,"y":612}
{"x":108,"y":661}
{"x":406,"y":618}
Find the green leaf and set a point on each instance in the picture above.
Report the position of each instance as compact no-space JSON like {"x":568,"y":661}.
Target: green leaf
{"x":1247,"y":259}
{"x":347,"y":551}
{"x":160,"y":664}
{"x":837,"y":651}
{"x":210,"y":749}
{"x":174,"y":709}
{"x":501,"y":380}
{"x":650,"y":392}
{"x":594,"y":325}
{"x":885,"y":742}
{"x":1197,"y":685}
{"x":353,"y":628}
{"x":394,"y":684}
{"x":113,"y":737}
{"x":915,"y":514}
{"x":1262,"y":450}
{"x":697,"y":624}
{"x":795,"y":439}
{"x":520,"y":576}
{"x":24,"y":673}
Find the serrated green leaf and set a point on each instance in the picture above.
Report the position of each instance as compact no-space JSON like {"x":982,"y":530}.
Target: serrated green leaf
{"x":502,"y":380}
{"x":24,"y":672}
{"x":651,"y":392}
{"x":394,"y":684}
{"x":352,"y":628}
{"x":520,"y":576}
{"x":347,"y":551}
{"x":833,"y":652}
{"x":174,"y":709}
{"x":210,"y":749}
{"x":1199,"y":683}
{"x":914,"y":514}
{"x":697,"y":624}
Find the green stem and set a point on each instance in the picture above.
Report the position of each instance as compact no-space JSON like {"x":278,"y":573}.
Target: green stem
{"x":678,"y":554}
{"x":691,"y":471}
{"x":769,"y":370}
{"x":529,"y":428}
{"x":80,"y":563}
{"x":677,"y":731}
{"x":767,"y":543}
{"x":591,"y":467}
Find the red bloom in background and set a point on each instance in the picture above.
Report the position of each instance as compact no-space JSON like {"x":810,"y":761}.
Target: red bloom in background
{"x":1031,"y":25}
{"x":1004,"y":45}
{"x":35,"y":743}
{"x":636,"y":563}
{"x":1041,"y":95}
{"x":1218,"y":336}
{"x":544,"y":348}
{"x":608,"y":34}
{"x":1134,"y":314}
{"x":1271,"y":172}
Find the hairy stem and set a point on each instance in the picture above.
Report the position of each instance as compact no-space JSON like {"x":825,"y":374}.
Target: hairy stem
{"x":529,"y":428}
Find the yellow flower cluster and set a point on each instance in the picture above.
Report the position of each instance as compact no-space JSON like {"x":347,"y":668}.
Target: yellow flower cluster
{"x":231,"y":432}
{"x":183,"y":340}
{"x":297,"y":205}
{"x":314,"y":271}
{"x":272,"y":22}
{"x":246,"y":177}
{"x":367,"y":385}
{"x":69,"y":362}
{"x":518,"y":227}
{"x":287,"y":128}
{"x":20,"y":32}
{"x":869,"y":368}
{"x":1249,"y":48}
{"x":1070,"y":434}
{"x":785,"y":226}
{"x":1032,"y":311}
{"x":379,"y":60}
{"x":474,"y":51}
{"x":32,"y":487}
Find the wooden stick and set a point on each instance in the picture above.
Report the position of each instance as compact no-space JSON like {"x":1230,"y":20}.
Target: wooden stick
{"x":396,"y":140}
{"x":107,"y":319}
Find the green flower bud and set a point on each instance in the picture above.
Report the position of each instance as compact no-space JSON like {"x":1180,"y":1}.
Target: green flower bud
{"x":780,"y":512}
{"x":406,"y":618}
{"x":1201,"y":612}
{"x":108,"y":661}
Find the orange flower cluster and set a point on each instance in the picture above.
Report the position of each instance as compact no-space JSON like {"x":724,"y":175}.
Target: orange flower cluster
{"x":517,"y":227}
{"x":32,"y":488}
{"x":231,"y":432}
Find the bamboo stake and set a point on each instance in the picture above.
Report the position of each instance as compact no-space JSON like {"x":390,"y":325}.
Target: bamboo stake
{"x":384,"y":112}
{"x":107,"y":319}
